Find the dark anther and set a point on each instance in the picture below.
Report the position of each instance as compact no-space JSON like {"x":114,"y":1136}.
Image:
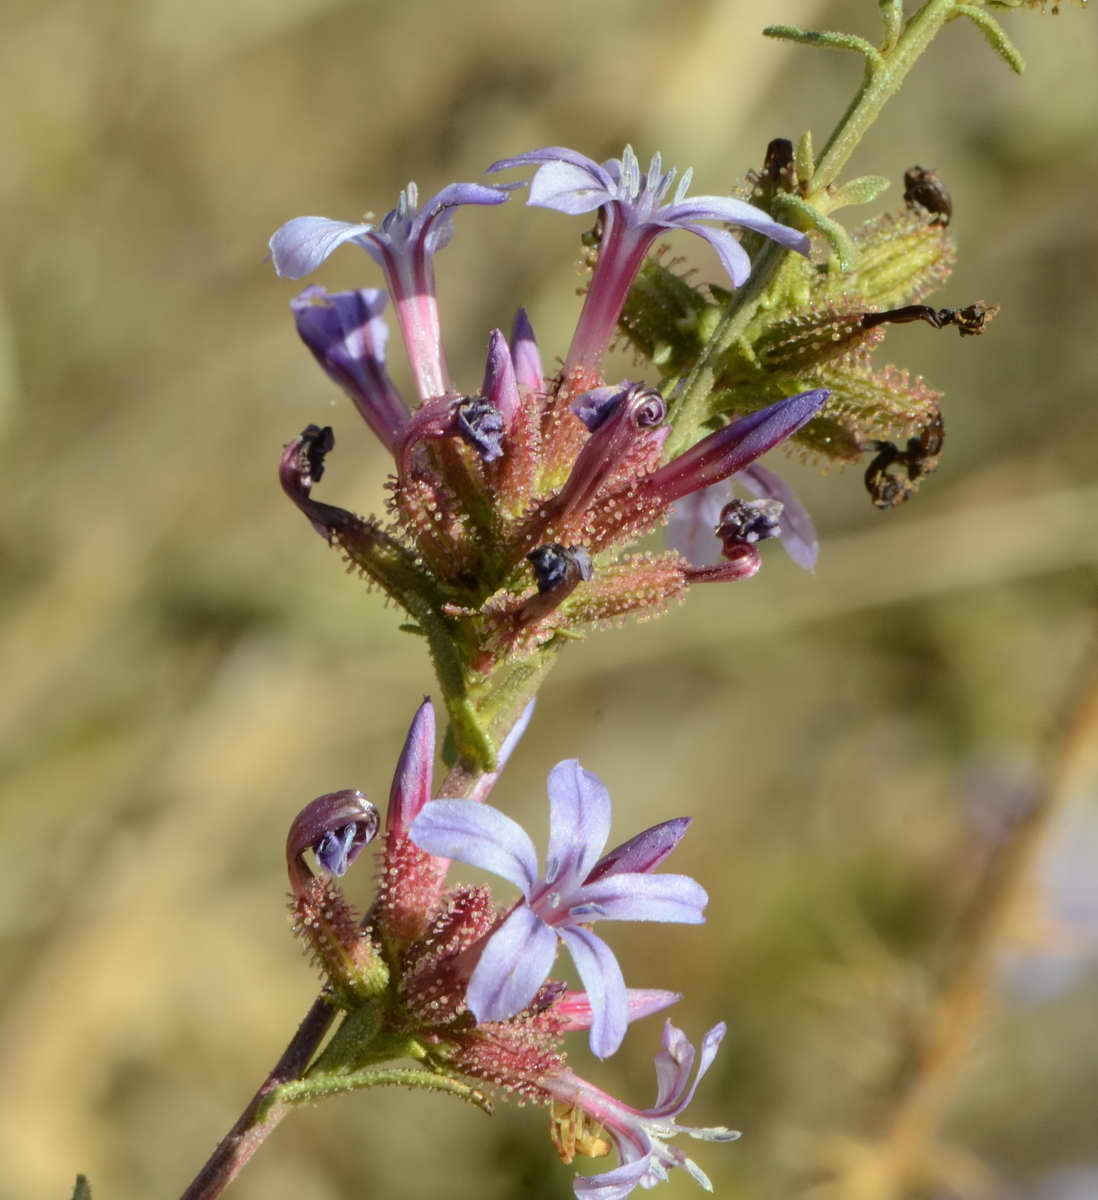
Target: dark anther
{"x":969,"y":321}
{"x":316,"y":442}
{"x":554,"y":565}
{"x":480,"y":423}
{"x":923,"y":189}
{"x":748,"y":521}
{"x":887,"y":487}
{"x":778,"y":165}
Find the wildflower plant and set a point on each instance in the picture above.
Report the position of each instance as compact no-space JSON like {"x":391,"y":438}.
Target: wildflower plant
{"x":519,"y":517}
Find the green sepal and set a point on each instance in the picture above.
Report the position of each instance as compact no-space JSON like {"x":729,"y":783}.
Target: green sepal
{"x":804,"y":160}
{"x":863,"y":190}
{"x":996,"y":35}
{"x":902,"y":258}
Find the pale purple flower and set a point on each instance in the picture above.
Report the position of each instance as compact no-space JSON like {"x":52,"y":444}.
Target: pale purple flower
{"x":576,"y":889}
{"x":347,"y":335}
{"x":641,"y":1136}
{"x":404,"y":245}
{"x":693,"y":519}
{"x":633,"y":215}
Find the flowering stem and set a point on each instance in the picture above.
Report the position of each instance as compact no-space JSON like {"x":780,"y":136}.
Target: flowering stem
{"x":286,"y":1084}
{"x":883,"y":79}
{"x":252,"y":1128}
{"x":884,"y":74}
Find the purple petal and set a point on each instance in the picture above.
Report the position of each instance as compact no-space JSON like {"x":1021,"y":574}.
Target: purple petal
{"x":602,"y":978}
{"x":594,"y":406}
{"x":612,"y":1185}
{"x":642,"y":853}
{"x":579,"y":823}
{"x":524,"y":352}
{"x":693,"y":519}
{"x":734,"y":212}
{"x":411,"y":788}
{"x":567,"y":189}
{"x":673,"y":1063}
{"x":734,"y":259}
{"x":479,"y":835}
{"x":574,"y":1009}
{"x":711,"y":1044}
{"x":500,"y":388}
{"x":301,"y":245}
{"x":434,"y":225}
{"x":558,"y":154}
{"x":515,"y":736}
{"x":633,"y":897}
{"x":798,"y":533}
{"x":515,"y":962}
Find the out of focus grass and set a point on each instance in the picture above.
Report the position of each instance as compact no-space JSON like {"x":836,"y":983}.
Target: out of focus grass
{"x":185,"y":664}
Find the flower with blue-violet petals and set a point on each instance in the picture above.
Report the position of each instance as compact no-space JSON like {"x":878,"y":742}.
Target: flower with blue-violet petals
{"x":576,"y":889}
{"x":347,"y":335}
{"x":641,"y":1136}
{"x":404,"y":245}
{"x":633,"y":216}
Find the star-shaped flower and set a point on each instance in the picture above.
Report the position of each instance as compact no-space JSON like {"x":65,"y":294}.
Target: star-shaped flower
{"x":576,"y":889}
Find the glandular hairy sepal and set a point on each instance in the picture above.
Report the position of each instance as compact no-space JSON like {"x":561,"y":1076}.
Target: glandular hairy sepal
{"x":824,"y":333}
{"x":902,"y":257}
{"x":336,"y":944}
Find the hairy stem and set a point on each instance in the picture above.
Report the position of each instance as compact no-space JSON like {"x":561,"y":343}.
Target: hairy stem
{"x":267,"y":1107}
{"x":251,"y":1130}
{"x":883,"y":78}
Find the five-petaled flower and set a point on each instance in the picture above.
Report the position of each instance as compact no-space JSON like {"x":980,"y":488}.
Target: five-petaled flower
{"x":577,"y":888}
{"x":404,"y":246}
{"x":633,"y":215}
{"x":641,"y":1136}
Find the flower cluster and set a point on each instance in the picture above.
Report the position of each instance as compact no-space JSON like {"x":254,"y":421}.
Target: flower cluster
{"x":447,"y":977}
{"x":514,"y":505}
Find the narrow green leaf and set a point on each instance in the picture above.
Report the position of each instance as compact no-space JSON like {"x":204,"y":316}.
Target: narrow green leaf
{"x":830,"y":41}
{"x":82,"y":1191}
{"x":995,"y":34}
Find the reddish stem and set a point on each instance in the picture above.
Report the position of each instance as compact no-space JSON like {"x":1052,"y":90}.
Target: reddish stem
{"x":248,"y":1134}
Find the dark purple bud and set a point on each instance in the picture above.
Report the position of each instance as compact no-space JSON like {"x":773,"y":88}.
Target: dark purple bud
{"x":524,"y":353}
{"x":749,"y":521}
{"x":480,"y":424}
{"x":735,"y":446}
{"x":500,"y":388}
{"x":335,"y":827}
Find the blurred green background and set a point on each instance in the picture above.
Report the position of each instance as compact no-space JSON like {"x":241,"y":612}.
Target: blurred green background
{"x":185,"y":664}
